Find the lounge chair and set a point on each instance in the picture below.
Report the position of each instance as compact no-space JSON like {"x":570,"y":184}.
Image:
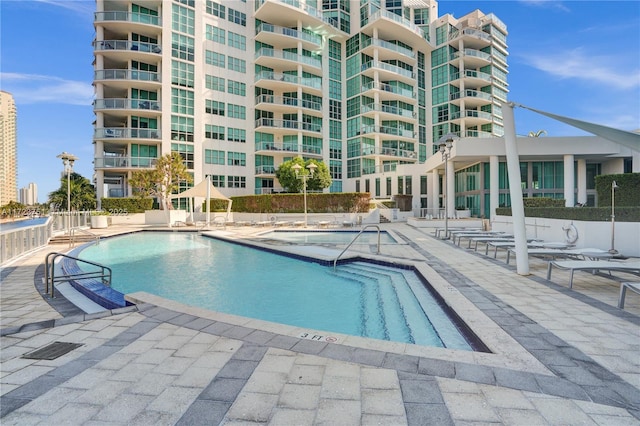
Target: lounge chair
{"x":635,"y":287}
{"x":554,"y":253}
{"x":594,"y":266}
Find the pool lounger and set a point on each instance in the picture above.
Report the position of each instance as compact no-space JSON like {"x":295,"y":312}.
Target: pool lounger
{"x":592,"y":265}
{"x":554,"y":253}
{"x":635,"y":287}
{"x":469,"y":235}
{"x":508,"y":245}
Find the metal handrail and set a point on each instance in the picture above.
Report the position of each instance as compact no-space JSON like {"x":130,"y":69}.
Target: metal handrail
{"x":72,"y":235}
{"x":335,"y":262}
{"x":49,"y":272}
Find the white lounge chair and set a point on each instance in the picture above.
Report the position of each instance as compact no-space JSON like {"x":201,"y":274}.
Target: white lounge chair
{"x":554,"y":253}
{"x":635,"y":287}
{"x":594,"y":266}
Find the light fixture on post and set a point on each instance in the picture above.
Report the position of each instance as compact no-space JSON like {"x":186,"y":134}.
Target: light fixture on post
{"x":67,"y":161}
{"x":446,"y":143}
{"x":614,"y":186}
{"x":297,"y":168}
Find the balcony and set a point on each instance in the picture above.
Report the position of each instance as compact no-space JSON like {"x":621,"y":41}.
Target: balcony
{"x":276,"y":35}
{"x":387,"y":50}
{"x":386,"y":112}
{"x":471,"y":77}
{"x":388,"y":72}
{"x":283,"y":12}
{"x":288,"y":124}
{"x":125,"y":17}
{"x":286,"y":104}
{"x":125,"y":78}
{"x":389,"y":92}
{"x":273,"y":58}
{"x":150,"y":108}
{"x":472,"y":98}
{"x":472,"y":117}
{"x":392,"y":26}
{"x":281,"y":81}
{"x":287,"y":149}
{"x":388,"y":133}
{"x":126,"y":133}
{"x":126,"y":50}
{"x":265,"y":171}
{"x":392,"y":153}
{"x":473,"y":58}
{"x":113,"y":162}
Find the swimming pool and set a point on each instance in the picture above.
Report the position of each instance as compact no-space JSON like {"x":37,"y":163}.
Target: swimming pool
{"x":359,"y":299}
{"x":329,"y":237}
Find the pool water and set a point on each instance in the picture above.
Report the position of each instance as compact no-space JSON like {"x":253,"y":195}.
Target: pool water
{"x":358,"y":299}
{"x":330,"y":237}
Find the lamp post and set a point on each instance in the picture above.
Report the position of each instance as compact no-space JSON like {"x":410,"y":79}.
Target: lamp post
{"x":445,"y":150}
{"x":614,"y":185}
{"x":67,"y":161}
{"x":304,"y":176}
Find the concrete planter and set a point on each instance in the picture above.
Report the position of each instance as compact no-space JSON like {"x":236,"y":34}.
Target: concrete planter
{"x":463,"y":214}
{"x":99,"y":222}
{"x":164,"y":217}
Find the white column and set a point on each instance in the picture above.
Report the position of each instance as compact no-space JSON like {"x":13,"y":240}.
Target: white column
{"x":635,"y":162}
{"x":450,"y":192}
{"x":515,"y":190}
{"x":494,"y":185}
{"x":582,"y":181}
{"x":435,"y":192}
{"x":569,"y":182}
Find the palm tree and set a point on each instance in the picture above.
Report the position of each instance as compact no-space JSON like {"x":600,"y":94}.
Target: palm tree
{"x":83,"y":194}
{"x":537,"y":134}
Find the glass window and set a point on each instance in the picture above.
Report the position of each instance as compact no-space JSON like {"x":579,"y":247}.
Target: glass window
{"x":212,"y":156}
{"x":214,"y":83}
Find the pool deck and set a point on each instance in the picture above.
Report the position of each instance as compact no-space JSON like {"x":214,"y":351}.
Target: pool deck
{"x":559,"y":356}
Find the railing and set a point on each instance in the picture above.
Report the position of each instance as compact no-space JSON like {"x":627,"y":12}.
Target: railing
{"x":389,"y":46}
{"x":122,"y":74}
{"x":275,"y":29}
{"x":388,"y":67}
{"x":125,"y":132}
{"x":124,"y":103}
{"x":72,"y":237}
{"x":335,"y":262}
{"x":314,"y":83}
{"x":125,"y":162}
{"x":389,"y":109}
{"x":17,"y":242}
{"x":289,"y":56}
{"x":104,"y":274}
{"x":118,"y":15}
{"x":471,"y":94}
{"x":294,"y":102}
{"x":127,"y":45}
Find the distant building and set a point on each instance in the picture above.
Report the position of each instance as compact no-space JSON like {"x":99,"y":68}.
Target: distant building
{"x":8,"y":150}
{"x":29,"y":194}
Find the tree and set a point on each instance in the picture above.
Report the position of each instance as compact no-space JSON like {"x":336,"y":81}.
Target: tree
{"x":83,"y":193}
{"x":537,"y":134}
{"x":162,"y":181}
{"x":286,"y":175}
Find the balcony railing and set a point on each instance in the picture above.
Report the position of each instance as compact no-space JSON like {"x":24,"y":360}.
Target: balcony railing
{"x":388,"y":131}
{"x":388,"y":109}
{"x":117,"y":103}
{"x":471,"y":114}
{"x":389,"y":46}
{"x":315,"y":83}
{"x":472,"y":74}
{"x":388,"y":67}
{"x":119,"y":15}
{"x":124,"y":132}
{"x":295,"y":102}
{"x":275,"y":29}
{"x":473,"y":53}
{"x":122,"y":162}
{"x":399,"y":19}
{"x":395,"y":152}
{"x":265,"y":170}
{"x":289,"y":56}
{"x":127,"y":45}
{"x":288,"y":124}
{"x":471,"y":94}
{"x":119,"y":74}
{"x":389,"y":88}
{"x":288,"y":147}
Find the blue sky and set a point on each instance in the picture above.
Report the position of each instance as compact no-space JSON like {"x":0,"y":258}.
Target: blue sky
{"x":579,"y":59}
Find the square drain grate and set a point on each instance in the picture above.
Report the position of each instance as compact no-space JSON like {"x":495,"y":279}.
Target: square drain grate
{"x":52,"y":351}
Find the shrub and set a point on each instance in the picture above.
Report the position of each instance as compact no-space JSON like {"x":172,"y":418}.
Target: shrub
{"x":129,"y":205}
{"x":294,"y":203}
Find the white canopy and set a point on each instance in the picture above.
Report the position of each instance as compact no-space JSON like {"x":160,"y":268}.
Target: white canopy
{"x":205,"y":189}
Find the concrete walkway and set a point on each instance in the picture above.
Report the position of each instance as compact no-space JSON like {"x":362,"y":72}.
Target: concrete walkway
{"x":557,"y":356}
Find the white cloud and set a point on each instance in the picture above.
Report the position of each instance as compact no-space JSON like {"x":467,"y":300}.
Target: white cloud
{"x":549,"y":4}
{"x":574,"y":64}
{"x":79,"y":6}
{"x":34,"y":88}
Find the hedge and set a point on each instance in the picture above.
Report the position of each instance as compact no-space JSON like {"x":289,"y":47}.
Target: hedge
{"x":128,"y":205}
{"x":627,"y":194}
{"x":344,"y":202}
{"x":597,"y":214}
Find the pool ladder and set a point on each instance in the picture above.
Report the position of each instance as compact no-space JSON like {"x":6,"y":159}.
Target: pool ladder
{"x":335,"y":262}
{"x":49,"y":272}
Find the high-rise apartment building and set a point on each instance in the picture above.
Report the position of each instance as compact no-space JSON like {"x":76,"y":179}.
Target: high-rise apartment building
{"x":239,"y":87}
{"x":29,"y":194}
{"x":8,"y":149}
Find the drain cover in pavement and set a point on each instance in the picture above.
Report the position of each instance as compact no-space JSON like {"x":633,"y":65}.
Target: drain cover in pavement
{"x":52,"y":351}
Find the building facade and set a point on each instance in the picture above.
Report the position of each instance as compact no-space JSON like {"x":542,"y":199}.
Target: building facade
{"x":8,"y":149}
{"x":29,"y":194}
{"x":237,"y":88}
